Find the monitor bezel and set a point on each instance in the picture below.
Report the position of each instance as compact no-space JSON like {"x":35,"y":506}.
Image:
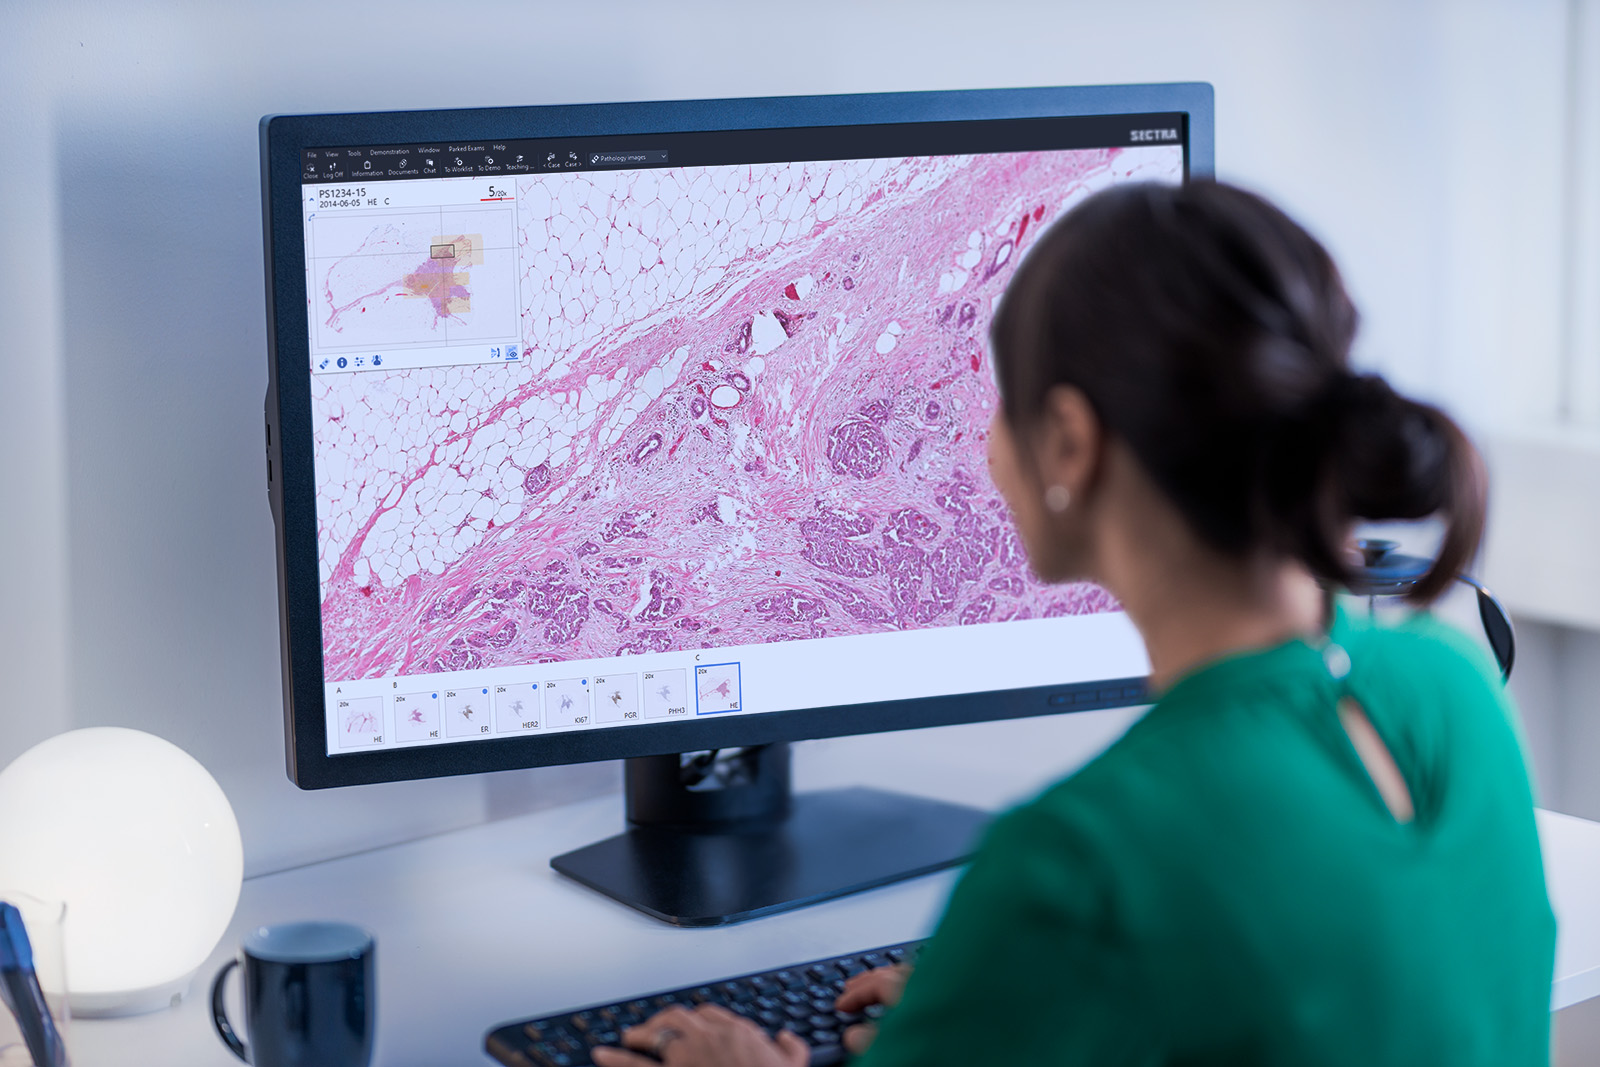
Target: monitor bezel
{"x":291,"y":477}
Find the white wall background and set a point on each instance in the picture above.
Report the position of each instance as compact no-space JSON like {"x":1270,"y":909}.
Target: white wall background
{"x":1422,"y":140}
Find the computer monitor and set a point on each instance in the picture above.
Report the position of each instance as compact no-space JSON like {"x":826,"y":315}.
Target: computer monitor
{"x":639,"y":430}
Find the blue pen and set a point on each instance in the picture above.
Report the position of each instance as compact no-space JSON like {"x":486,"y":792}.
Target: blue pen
{"x":19,"y":988}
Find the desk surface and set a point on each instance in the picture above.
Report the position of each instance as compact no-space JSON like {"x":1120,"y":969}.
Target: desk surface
{"x":474,"y":928}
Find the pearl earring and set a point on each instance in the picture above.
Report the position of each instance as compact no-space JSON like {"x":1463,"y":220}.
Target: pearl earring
{"x":1057,"y":498}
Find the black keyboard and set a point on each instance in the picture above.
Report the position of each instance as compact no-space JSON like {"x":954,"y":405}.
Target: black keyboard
{"x":798,"y":998}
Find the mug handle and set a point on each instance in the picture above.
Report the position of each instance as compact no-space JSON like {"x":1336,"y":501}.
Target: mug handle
{"x":219,"y":1014}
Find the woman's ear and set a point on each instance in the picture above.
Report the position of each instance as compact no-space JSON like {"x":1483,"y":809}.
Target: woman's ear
{"x":1070,"y":441}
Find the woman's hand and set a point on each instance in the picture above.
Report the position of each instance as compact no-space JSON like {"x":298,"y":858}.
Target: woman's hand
{"x":708,"y":1036}
{"x":882,"y":986}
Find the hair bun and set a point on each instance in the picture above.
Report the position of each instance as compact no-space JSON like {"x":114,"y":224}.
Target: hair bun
{"x":1391,"y":456}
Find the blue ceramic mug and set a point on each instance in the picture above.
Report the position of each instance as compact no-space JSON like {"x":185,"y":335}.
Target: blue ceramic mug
{"x":308,"y":996}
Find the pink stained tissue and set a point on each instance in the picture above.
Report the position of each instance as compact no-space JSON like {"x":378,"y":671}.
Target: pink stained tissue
{"x":754,"y":409}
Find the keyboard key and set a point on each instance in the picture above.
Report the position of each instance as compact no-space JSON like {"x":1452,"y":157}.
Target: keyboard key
{"x":828,"y":1056}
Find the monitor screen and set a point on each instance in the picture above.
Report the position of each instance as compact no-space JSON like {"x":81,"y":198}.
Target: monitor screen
{"x":609,"y":431}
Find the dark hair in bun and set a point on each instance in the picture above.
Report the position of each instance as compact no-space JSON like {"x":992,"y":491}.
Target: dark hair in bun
{"x":1212,"y":334}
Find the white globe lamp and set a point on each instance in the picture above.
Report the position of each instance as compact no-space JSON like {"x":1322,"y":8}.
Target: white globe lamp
{"x":140,"y":843}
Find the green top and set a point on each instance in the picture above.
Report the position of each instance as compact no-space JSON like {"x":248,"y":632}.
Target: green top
{"x":1224,"y":885}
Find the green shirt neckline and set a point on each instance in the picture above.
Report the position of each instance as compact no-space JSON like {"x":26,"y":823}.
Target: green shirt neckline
{"x":1294,"y":656}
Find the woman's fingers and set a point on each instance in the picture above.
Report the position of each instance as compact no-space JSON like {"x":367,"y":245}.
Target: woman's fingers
{"x":796,"y":1053}
{"x":881,"y":986}
{"x":858,"y":1037}
{"x":647,"y":1035}
{"x":611,"y":1056}
{"x":708,"y":1036}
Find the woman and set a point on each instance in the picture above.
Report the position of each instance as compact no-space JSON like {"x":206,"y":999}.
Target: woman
{"x":1318,"y":847}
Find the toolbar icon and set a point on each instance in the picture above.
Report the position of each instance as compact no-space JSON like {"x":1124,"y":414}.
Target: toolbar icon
{"x":550,"y":157}
{"x":489,"y":160}
{"x":572,"y":156}
{"x":343,"y":363}
{"x":367,"y":165}
{"x":459,"y":163}
{"x":377,"y":361}
{"x":511,"y":351}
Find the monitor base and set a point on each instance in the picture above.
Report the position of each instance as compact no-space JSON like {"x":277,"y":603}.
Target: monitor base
{"x":803,"y":850}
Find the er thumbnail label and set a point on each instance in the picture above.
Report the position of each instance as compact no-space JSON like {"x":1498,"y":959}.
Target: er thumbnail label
{"x":516,"y":707}
{"x":360,"y":721}
{"x":466,"y":711}
{"x":416,"y":717}
{"x":666,"y":693}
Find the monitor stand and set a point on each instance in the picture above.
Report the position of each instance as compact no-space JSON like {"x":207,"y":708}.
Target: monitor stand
{"x":720,"y":837}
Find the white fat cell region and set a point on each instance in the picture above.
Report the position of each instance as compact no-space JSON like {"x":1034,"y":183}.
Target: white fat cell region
{"x":717,"y":688}
{"x":466,"y":711}
{"x":665,"y":693}
{"x":360,"y":721}
{"x":416,"y":717}
{"x":616,"y":698}
{"x":566,"y":702}
{"x":516,"y":707}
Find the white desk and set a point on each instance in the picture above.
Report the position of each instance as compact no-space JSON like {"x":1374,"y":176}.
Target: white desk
{"x":474,"y":928}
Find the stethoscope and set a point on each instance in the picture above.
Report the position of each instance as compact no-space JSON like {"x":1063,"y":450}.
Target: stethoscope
{"x":1385,"y":572}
